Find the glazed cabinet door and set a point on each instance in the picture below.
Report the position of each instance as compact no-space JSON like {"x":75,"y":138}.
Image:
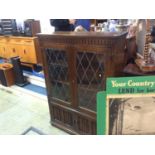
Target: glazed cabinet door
{"x":58,"y":72}
{"x":90,"y":78}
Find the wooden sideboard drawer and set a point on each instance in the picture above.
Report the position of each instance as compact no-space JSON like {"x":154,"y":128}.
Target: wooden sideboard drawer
{"x":2,"y":40}
{"x":15,"y":41}
{"x":27,"y":54}
{"x":27,"y":41}
{"x":13,"y":50}
{"x":21,"y":42}
{"x":3,"y":50}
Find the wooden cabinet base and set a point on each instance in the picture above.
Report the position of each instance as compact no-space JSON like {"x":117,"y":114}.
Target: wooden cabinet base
{"x":58,"y":125}
{"x":72,"y":121}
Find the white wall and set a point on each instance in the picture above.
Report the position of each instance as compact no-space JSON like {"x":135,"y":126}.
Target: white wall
{"x":45,"y":26}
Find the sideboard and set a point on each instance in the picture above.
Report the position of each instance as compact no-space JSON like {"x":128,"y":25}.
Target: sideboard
{"x":27,"y":48}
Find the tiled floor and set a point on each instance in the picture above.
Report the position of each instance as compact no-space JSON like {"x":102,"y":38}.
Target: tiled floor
{"x":19,"y":111}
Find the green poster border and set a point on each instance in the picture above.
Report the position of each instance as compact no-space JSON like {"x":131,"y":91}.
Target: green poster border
{"x":144,"y":82}
{"x":101,"y":113}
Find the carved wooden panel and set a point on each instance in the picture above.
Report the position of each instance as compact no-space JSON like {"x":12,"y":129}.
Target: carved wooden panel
{"x":73,"y":121}
{"x":62,"y":116}
{"x":86,"y":126}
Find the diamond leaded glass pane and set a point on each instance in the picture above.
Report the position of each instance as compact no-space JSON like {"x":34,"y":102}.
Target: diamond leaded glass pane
{"x":90,"y":69}
{"x":58,"y":72}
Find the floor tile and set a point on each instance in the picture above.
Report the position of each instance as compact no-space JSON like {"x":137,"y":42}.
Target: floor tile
{"x":19,"y":111}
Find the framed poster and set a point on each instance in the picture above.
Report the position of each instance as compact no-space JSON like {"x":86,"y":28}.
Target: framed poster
{"x":130,"y":106}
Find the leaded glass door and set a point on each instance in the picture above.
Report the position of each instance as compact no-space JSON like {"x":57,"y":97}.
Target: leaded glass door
{"x":58,"y":70}
{"x":90,"y":78}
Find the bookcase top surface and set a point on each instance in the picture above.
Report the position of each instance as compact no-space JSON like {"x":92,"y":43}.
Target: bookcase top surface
{"x":83,"y":34}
